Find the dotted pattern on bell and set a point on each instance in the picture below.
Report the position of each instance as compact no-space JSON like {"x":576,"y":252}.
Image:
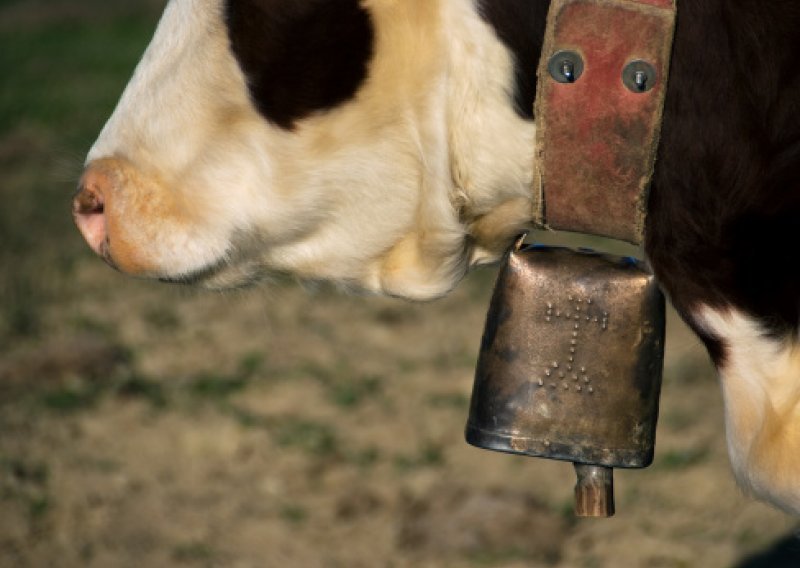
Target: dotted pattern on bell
{"x":569,"y":371}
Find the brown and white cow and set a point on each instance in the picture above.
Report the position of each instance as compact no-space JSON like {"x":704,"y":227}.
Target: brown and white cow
{"x":388,"y":145}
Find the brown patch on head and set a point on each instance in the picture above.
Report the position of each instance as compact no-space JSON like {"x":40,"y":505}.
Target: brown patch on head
{"x":300,"y":56}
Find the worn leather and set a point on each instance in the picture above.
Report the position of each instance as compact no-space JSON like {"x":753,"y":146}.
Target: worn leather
{"x":596,"y":140}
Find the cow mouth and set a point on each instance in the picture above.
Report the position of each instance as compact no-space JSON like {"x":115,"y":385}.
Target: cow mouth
{"x":199,"y":276}
{"x":221,"y":275}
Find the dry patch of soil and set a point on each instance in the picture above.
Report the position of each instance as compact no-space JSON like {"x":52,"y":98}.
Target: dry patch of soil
{"x":153,"y":426}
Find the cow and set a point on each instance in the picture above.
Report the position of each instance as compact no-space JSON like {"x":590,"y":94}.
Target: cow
{"x":388,"y":145}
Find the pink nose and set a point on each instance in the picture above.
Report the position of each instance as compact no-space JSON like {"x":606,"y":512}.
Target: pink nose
{"x":88,"y":209}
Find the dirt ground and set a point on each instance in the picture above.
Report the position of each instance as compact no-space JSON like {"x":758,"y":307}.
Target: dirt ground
{"x":290,"y":426}
{"x":296,"y":427}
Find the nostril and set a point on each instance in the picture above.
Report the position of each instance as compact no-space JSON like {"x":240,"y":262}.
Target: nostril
{"x":87,"y":202}
{"x":88,"y":208}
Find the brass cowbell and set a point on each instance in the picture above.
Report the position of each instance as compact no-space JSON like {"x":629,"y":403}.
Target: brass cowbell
{"x":570,"y":365}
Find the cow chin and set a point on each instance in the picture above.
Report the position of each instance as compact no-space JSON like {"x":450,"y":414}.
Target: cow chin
{"x":221,"y":276}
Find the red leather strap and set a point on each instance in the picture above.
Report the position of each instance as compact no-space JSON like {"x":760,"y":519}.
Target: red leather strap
{"x":597,"y":140}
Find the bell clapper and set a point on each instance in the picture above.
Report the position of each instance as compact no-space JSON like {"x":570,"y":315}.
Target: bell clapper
{"x":594,"y":491}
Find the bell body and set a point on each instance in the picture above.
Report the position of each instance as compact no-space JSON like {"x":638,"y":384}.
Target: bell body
{"x":571,"y":359}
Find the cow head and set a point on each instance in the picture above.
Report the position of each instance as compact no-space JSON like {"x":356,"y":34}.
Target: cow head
{"x":372,"y":143}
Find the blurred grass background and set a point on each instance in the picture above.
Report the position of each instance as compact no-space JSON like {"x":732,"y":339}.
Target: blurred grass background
{"x":144,"y":425}
{"x":65,"y":64}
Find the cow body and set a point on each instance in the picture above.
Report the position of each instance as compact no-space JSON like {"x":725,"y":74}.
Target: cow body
{"x":388,"y":145}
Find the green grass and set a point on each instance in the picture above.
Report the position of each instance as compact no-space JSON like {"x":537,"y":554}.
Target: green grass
{"x":351,"y":393}
{"x":294,"y":514}
{"x":499,"y":557}
{"x":682,"y":459}
{"x":71,"y":399}
{"x":27,"y":472}
{"x":216,"y":387}
{"x":191,"y":552}
{"x":251,"y":363}
{"x":26,"y":482}
{"x":136,"y":387}
{"x":39,"y":506}
{"x":344,"y":387}
{"x":310,"y":436}
{"x":222,"y":387}
{"x":365,"y":458}
{"x":247,"y":419}
{"x":456,"y":401}
{"x":162,"y":319}
{"x":428,"y":455}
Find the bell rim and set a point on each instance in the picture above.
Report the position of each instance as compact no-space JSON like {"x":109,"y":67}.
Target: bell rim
{"x":618,"y":458}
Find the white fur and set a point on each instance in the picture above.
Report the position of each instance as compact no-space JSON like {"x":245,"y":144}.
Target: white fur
{"x":760,"y":379}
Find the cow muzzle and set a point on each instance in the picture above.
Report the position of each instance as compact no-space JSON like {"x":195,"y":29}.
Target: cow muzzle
{"x":117,"y":210}
{"x":147,"y":226}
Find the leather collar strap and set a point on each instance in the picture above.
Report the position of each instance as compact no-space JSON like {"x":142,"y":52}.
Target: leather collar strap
{"x":596,"y":137}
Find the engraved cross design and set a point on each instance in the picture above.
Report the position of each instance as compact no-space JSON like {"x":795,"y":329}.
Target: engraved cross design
{"x":567,"y":371}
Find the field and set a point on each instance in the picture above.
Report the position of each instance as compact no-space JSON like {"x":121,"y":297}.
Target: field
{"x":289,"y":425}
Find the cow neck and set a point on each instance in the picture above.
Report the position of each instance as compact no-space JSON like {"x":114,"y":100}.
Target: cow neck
{"x":597,"y":138}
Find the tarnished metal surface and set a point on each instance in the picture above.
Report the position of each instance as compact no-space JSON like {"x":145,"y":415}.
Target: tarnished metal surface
{"x":571,"y":358}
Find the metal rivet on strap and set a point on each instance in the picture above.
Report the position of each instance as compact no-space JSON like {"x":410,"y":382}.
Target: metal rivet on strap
{"x":565,"y":66}
{"x":639,"y":76}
